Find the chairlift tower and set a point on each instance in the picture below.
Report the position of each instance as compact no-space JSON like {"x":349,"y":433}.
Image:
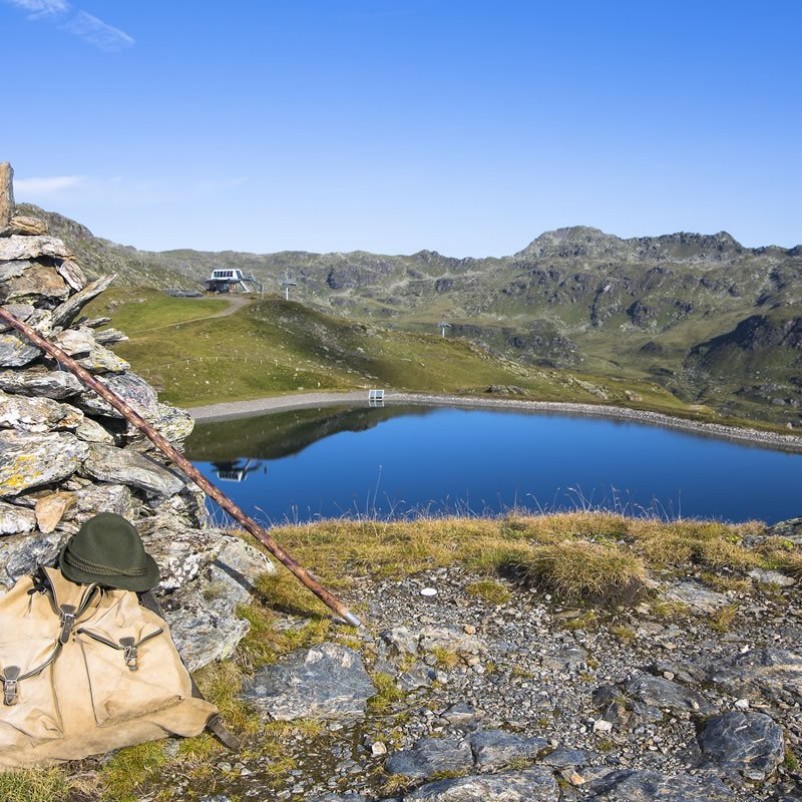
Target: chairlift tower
{"x":442,"y":325}
{"x":287,"y":283}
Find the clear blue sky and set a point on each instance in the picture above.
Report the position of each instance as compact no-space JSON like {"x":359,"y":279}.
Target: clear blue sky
{"x":392,"y":126}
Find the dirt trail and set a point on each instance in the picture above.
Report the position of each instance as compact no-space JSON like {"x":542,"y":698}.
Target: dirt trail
{"x":235,"y":303}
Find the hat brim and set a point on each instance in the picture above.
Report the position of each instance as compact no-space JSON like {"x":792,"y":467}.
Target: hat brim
{"x":140,"y":584}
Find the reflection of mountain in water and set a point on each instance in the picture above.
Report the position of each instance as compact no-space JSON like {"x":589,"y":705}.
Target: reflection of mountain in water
{"x":284,"y":433}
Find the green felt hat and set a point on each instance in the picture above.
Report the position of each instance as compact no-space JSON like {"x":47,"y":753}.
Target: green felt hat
{"x":107,"y":550}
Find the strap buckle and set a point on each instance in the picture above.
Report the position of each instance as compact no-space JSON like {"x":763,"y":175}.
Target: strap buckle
{"x":67,"y":622}
{"x":129,"y":653}
{"x":10,"y":687}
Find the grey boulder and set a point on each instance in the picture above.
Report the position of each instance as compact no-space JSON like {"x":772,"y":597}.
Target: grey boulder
{"x":325,"y":681}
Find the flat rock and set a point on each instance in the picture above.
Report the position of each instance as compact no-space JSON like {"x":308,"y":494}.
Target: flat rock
{"x":15,"y":520}
{"x":533,"y":785}
{"x":21,"y":247}
{"x":37,"y":414}
{"x":31,"y":460}
{"x":325,"y":681}
{"x":770,"y":673}
{"x":462,"y":714}
{"x":95,"y":498}
{"x":667,"y":695}
{"x":630,"y":785}
{"x":133,"y":389}
{"x":493,"y":749}
{"x":23,"y":553}
{"x":16,"y":351}
{"x":55,"y":384}
{"x":743,"y":742}
{"x":80,"y":344}
{"x":75,"y":277}
{"x":564,"y":756}
{"x":763,"y":577}
{"x":27,"y":226}
{"x":790,"y":529}
{"x":455,"y":640}
{"x":51,"y":509}
{"x":92,"y":432}
{"x":20,"y":311}
{"x":121,"y":466}
{"x":696,"y":596}
{"x":429,"y":756}
{"x":33,"y":284}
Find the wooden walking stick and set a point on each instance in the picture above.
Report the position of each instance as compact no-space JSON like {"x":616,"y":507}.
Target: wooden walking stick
{"x":167,"y":448}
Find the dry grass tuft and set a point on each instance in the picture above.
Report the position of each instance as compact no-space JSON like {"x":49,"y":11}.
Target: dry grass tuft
{"x":582,"y":571}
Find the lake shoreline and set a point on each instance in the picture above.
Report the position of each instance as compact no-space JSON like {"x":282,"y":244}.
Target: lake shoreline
{"x":273,"y":404}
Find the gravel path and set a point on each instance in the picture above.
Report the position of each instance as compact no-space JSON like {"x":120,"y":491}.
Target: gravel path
{"x":218,"y":412}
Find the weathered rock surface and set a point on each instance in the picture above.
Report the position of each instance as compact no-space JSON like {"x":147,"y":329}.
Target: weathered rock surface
{"x":14,"y":519}
{"x":37,"y":414}
{"x":19,"y":247}
{"x":645,"y":786}
{"x":771,"y":674}
{"x":697,"y":597}
{"x":493,"y":749}
{"x":15,"y":351}
{"x":55,"y":384}
{"x":326,"y":681}
{"x":204,"y":624}
{"x":30,"y":460}
{"x":431,"y":756}
{"x":109,"y":464}
{"x":531,"y":785}
{"x":750,"y":743}
{"x":26,"y":225}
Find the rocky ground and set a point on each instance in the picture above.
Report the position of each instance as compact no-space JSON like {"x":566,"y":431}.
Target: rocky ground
{"x":692,"y":695}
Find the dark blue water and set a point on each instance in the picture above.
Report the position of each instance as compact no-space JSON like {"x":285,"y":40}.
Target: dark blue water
{"x":445,"y":461}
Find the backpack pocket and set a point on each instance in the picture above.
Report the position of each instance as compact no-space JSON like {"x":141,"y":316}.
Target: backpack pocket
{"x":29,"y":711}
{"x":131,"y":672}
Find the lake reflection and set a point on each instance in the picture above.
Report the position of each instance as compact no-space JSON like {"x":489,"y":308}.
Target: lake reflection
{"x":403,"y":461}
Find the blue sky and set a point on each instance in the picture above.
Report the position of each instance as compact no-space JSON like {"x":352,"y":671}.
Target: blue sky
{"x":464,"y":127}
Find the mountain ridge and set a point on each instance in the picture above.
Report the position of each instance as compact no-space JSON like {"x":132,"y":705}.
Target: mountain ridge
{"x":573,"y":297}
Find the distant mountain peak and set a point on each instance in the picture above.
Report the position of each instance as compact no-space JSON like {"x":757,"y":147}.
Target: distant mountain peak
{"x":571,"y":241}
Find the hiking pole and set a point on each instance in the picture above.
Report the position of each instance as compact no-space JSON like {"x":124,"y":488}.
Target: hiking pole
{"x":170,"y":451}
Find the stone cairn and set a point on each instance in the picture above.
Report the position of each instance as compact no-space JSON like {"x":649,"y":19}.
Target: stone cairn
{"x":66,"y":455}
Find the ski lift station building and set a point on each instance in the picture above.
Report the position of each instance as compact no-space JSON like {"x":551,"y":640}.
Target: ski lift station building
{"x":228,"y":279}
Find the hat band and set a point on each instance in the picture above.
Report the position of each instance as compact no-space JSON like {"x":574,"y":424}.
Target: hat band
{"x":99,"y":568}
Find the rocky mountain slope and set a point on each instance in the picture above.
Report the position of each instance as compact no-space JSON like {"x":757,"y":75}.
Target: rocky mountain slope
{"x":671,"y":307}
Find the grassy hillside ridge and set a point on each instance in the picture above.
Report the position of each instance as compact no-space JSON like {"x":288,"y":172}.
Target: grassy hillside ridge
{"x":575,"y":297}
{"x":275,"y":347}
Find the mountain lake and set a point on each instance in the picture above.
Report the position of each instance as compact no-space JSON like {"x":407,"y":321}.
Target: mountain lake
{"x":401,"y":462}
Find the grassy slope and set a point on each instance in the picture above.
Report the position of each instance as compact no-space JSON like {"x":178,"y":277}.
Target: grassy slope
{"x":274,"y":347}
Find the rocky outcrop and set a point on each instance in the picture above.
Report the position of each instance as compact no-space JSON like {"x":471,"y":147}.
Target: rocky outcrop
{"x":65,"y":455}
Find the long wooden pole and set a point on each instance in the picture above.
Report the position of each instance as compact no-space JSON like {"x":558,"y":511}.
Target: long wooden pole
{"x":167,"y":448}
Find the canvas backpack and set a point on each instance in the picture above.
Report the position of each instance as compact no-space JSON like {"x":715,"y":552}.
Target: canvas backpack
{"x":85,"y":670}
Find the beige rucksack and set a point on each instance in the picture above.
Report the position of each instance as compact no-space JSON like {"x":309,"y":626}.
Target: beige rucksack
{"x":86,"y":670}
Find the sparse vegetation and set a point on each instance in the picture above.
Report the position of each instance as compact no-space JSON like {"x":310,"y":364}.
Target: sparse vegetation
{"x":491,"y":591}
